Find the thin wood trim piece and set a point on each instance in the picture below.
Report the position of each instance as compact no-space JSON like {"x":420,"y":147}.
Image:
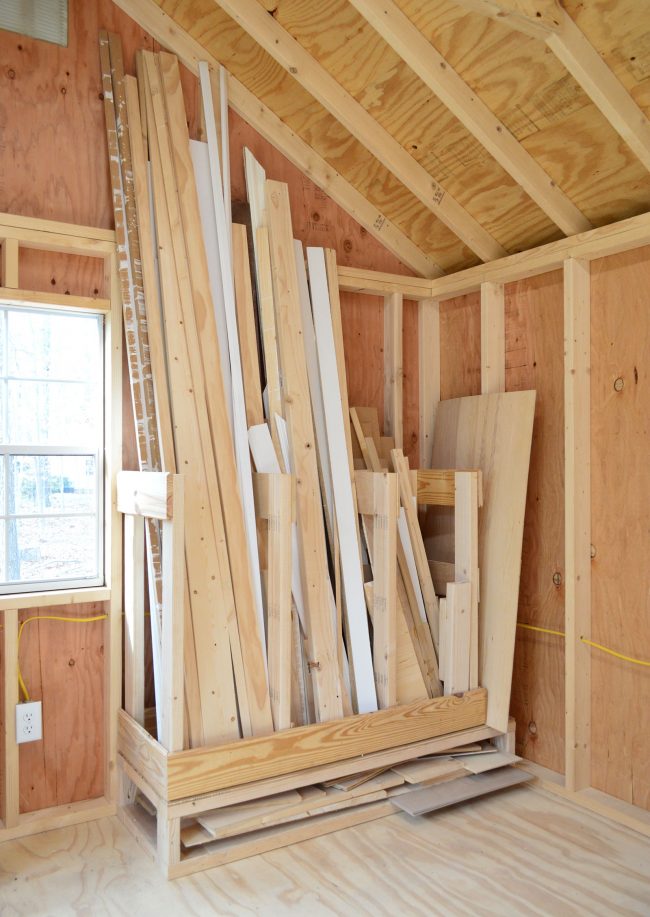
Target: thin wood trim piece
{"x":317,"y":395}
{"x":204,"y":770}
{"x":381,"y":283}
{"x":428,"y":374}
{"x":11,"y":760}
{"x":423,"y":59}
{"x":313,"y":555}
{"x":393,"y":368}
{"x":466,"y":557}
{"x":113,"y":552}
{"x":493,"y":338}
{"x":384,"y":593}
{"x":577,"y":520}
{"x":458,"y":637}
{"x":9,"y":263}
{"x":279,"y":598}
{"x":173,"y":624}
{"x":145,"y":493}
{"x":344,"y":502}
{"x":37,"y":300}
{"x":246,"y":326}
{"x":407,"y":499}
{"x":269,"y":335}
{"x":288,"y":52}
{"x":134,"y":617}
{"x":20,"y":227}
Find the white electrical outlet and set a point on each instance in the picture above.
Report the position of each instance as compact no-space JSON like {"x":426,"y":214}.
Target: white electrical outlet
{"x":29,"y":722}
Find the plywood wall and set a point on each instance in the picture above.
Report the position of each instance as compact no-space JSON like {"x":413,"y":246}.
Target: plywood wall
{"x":620,"y":484}
{"x":535,"y":360}
{"x":55,"y":166}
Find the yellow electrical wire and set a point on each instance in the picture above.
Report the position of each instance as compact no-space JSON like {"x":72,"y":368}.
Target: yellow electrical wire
{"x":21,"y":683}
{"x":541,"y":630}
{"x":598,"y":646}
{"x":606,"y":649}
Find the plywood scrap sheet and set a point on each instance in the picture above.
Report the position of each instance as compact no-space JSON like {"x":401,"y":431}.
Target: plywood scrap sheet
{"x":493,"y":433}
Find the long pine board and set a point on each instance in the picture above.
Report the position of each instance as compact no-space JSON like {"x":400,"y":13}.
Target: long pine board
{"x":212,"y":602}
{"x":203,"y":770}
{"x":201,"y":326}
{"x":313,"y":554}
{"x":345,"y":507}
{"x":493,"y":433}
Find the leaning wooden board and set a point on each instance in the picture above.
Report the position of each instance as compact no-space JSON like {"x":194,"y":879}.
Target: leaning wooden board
{"x":493,"y":433}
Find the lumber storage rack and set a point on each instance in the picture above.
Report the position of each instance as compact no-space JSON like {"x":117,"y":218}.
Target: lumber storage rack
{"x":177,"y":783}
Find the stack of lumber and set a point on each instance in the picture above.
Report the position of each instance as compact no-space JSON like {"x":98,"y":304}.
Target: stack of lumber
{"x":416,"y":787}
{"x":308,"y":592}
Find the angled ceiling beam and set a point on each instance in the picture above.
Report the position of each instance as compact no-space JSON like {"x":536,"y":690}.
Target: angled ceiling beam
{"x":604,"y":89}
{"x":313,"y":77}
{"x":411,"y":45}
{"x":158,"y":24}
{"x":580,"y":58}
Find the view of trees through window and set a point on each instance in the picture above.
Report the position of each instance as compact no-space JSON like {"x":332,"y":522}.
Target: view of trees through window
{"x":51,"y":428}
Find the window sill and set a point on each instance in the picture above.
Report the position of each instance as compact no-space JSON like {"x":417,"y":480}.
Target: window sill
{"x":22,"y":600}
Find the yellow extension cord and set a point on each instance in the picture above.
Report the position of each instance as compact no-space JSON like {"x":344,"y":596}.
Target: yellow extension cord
{"x":533,"y":627}
{"x":598,"y":646}
{"x":21,"y":683}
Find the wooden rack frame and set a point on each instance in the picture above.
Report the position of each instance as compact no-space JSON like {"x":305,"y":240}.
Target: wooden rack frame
{"x":572,"y":255}
{"x":16,"y":233}
{"x":179,"y":783}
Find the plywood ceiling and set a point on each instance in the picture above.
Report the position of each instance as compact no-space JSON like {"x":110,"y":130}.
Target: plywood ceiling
{"x":556,"y":122}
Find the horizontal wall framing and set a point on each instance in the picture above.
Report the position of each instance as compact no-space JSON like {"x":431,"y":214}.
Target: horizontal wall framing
{"x":572,"y":257}
{"x":20,"y":233}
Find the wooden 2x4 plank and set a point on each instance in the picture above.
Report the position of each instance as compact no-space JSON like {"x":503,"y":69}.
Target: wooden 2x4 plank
{"x":313,"y":555}
{"x":345,"y":510}
{"x":204,"y":770}
{"x":211,"y":595}
{"x":200,"y":329}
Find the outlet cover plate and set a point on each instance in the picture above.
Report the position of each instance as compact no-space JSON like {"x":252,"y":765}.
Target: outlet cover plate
{"x":29,"y":722}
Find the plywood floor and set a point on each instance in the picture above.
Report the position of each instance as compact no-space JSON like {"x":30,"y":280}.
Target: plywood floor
{"x":521,"y":852}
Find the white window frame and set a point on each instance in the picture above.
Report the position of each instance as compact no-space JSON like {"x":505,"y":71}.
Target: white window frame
{"x":15,"y":449}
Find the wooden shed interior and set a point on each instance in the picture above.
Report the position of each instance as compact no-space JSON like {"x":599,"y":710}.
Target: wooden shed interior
{"x":487,"y":164}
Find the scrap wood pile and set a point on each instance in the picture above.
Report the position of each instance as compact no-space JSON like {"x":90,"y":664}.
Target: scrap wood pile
{"x":309,"y":595}
{"x":416,"y":787}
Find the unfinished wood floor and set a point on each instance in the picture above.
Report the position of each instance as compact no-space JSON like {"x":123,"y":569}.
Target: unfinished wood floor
{"x":520,"y":852}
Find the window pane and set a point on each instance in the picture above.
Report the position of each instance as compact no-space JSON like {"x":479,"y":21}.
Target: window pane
{"x":52,"y":484}
{"x":50,"y":549}
{"x":53,"y":413}
{"x":44,"y":345}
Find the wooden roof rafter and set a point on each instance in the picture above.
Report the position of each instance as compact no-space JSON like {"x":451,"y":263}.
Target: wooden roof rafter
{"x":163,"y":28}
{"x":550,"y":22}
{"x":313,"y":77}
{"x":424,"y":60}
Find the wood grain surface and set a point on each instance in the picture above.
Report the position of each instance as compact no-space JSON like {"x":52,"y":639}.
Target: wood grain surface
{"x":534,"y":360}
{"x":620,"y":439}
{"x":545,"y":856}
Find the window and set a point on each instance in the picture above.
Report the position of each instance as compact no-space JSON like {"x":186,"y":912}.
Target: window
{"x":51,"y":449}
